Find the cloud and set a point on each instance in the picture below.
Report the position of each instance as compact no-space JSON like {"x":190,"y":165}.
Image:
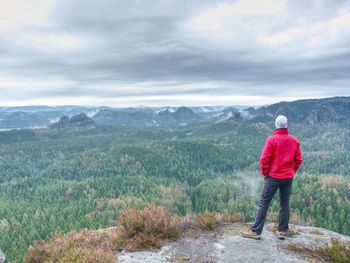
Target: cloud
{"x":47,"y":41}
{"x":16,"y":14}
{"x":174,"y":51}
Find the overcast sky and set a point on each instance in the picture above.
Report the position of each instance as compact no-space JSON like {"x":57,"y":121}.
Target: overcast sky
{"x":172,"y":52}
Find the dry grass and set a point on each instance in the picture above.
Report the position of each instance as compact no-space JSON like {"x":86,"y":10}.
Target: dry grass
{"x":85,"y":246}
{"x":210,"y":220}
{"x":136,"y":229}
{"x":316,"y":232}
{"x":301,"y":249}
{"x":146,"y":228}
{"x":206,"y":220}
{"x":232,"y":218}
{"x":336,"y":251}
{"x":292,"y":232}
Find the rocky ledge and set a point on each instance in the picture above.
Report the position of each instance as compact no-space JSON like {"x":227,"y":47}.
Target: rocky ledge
{"x":226,"y":245}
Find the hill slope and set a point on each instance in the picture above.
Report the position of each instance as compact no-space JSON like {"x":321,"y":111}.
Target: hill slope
{"x":312,"y":111}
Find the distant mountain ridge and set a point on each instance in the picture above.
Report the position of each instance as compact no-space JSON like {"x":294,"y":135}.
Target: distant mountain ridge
{"x":311,"y":111}
{"x":30,"y":117}
{"x":148,"y":117}
{"x":124,"y":117}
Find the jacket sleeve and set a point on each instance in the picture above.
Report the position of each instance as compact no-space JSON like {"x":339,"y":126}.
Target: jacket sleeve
{"x":266,"y":158}
{"x":298,"y":159}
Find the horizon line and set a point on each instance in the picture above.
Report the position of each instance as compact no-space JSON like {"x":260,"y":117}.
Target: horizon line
{"x":122,"y":106}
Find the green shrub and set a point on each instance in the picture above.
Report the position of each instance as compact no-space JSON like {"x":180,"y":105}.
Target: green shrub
{"x":337,"y":251}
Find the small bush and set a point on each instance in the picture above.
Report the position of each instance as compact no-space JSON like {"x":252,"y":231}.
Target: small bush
{"x":86,"y":246}
{"x":223,"y":218}
{"x":158,"y":221}
{"x":206,"y":220}
{"x":336,"y":251}
{"x":144,"y":241}
{"x":137,"y":229}
{"x":132,"y":221}
{"x":146,"y":228}
{"x":185,"y":223}
{"x":232,"y":218}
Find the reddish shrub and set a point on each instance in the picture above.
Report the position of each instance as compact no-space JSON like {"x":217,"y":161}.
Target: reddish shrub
{"x":132,"y":221}
{"x":232,"y":218}
{"x":146,"y":228}
{"x":144,"y":241}
{"x":206,"y":220}
{"x":136,"y":229}
{"x":86,"y":246}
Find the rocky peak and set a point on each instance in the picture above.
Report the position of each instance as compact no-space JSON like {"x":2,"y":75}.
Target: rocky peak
{"x":226,"y":245}
{"x":183,"y":111}
{"x":165,"y":113}
{"x":80,"y":120}
{"x":184,"y":114}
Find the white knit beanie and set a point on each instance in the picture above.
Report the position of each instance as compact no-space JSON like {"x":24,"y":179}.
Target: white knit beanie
{"x":281,"y":122}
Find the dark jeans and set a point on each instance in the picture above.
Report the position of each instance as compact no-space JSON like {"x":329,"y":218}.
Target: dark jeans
{"x":270,"y":188}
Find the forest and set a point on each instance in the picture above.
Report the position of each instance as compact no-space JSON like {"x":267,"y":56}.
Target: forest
{"x":58,"y":180}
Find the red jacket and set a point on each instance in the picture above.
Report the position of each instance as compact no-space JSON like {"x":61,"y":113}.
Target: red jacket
{"x":281,"y":156}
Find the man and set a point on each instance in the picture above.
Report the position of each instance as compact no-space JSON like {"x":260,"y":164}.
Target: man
{"x":279,"y":161}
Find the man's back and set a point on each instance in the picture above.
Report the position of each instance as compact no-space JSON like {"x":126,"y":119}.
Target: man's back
{"x":281,"y":156}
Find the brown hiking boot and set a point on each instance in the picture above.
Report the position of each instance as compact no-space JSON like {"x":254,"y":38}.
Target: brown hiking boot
{"x":282,"y":234}
{"x":250,"y":234}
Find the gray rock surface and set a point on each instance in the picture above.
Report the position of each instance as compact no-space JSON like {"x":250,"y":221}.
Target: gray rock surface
{"x":226,"y":245}
{"x":2,"y":257}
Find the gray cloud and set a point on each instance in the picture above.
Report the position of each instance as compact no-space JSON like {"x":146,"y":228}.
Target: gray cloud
{"x":144,"y":49}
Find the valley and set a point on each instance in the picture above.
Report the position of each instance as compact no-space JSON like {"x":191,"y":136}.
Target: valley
{"x":81,"y":171}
